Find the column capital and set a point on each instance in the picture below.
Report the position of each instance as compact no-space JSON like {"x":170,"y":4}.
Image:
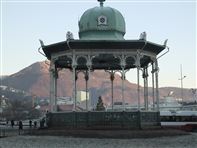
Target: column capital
{"x":155,"y":67}
{"x":74,"y":63}
{"x":122,"y":59}
{"x":53,"y":70}
{"x":153,"y":59}
{"x":123,"y":77}
{"x":52,"y":65}
{"x":145,"y":74}
{"x":89,"y":61}
{"x":138,"y":57}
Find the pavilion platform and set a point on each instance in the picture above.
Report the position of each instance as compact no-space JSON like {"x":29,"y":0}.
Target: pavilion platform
{"x":103,"y":120}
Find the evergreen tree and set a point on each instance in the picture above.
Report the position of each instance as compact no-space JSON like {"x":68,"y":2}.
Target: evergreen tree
{"x":100,"y":106}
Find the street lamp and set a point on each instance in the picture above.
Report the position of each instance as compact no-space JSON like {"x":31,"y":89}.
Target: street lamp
{"x":182,"y":77}
{"x":1,"y":105}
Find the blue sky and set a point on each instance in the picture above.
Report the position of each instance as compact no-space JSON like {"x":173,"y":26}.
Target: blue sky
{"x":24,"y":22}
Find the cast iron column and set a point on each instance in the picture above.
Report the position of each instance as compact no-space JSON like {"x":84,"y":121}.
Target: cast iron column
{"x":52,"y":85}
{"x":157,"y":84}
{"x":146,"y":69}
{"x":145,"y":77}
{"x":123,"y":87}
{"x":112,"y":88}
{"x":138,"y":65}
{"x":86,"y":79}
{"x":55,"y":89}
{"x":74,"y":65}
{"x":123,"y":64}
{"x":112,"y":73}
{"x":138,"y":87}
{"x":153,"y":85}
{"x":74,"y":87}
{"x":89,"y":66}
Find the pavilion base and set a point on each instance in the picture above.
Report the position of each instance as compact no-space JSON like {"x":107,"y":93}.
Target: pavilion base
{"x":103,"y":120}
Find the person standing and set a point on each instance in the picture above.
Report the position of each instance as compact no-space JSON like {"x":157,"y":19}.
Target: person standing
{"x":35,"y":124}
{"x":30,"y":123}
{"x":7,"y":122}
{"x":20,"y":127}
{"x":12,"y":123}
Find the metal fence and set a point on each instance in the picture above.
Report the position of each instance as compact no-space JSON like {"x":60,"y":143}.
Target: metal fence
{"x":98,"y":120}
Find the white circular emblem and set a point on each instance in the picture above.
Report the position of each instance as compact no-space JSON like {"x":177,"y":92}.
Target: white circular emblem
{"x":102,"y":20}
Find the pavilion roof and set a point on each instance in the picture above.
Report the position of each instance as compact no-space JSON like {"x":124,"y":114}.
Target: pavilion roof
{"x":102,"y":44}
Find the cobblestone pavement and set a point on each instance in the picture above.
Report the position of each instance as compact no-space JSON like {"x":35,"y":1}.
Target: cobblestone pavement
{"x":186,"y":141}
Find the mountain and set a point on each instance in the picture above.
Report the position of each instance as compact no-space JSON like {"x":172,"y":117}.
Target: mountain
{"x":35,"y":80}
{"x":187,"y":93}
{"x":3,"y":77}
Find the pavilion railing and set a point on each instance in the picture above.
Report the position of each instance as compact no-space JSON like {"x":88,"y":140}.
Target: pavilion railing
{"x":100,"y":120}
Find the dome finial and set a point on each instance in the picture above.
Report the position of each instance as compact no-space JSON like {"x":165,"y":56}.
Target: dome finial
{"x":101,"y":2}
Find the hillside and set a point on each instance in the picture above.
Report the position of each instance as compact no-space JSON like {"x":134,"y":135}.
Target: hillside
{"x":35,"y":80}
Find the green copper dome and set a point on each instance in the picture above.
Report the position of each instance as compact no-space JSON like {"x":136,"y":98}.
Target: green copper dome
{"x":102,"y":23}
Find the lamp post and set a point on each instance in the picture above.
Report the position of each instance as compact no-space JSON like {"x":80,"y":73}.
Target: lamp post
{"x":1,"y":108}
{"x":1,"y":102}
{"x":182,"y":77}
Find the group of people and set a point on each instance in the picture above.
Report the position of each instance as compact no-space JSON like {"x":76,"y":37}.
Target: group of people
{"x":31,"y":124}
{"x":20,"y":124}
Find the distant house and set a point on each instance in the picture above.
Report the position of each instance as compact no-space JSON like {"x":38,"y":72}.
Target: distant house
{"x":60,"y":108}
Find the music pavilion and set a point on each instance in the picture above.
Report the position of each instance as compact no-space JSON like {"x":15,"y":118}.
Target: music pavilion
{"x":101,"y":46}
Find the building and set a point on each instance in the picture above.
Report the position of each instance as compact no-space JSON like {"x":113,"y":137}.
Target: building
{"x":81,"y":96}
{"x":101,"y":46}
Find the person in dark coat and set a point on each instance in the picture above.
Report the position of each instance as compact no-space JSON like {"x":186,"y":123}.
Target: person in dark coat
{"x":20,"y":125}
{"x":7,"y":122}
{"x":35,"y":124}
{"x":12,"y":123}
{"x":30,"y":123}
{"x":42,"y":122}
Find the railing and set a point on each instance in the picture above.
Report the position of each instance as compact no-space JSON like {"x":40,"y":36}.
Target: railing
{"x":98,"y":120}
